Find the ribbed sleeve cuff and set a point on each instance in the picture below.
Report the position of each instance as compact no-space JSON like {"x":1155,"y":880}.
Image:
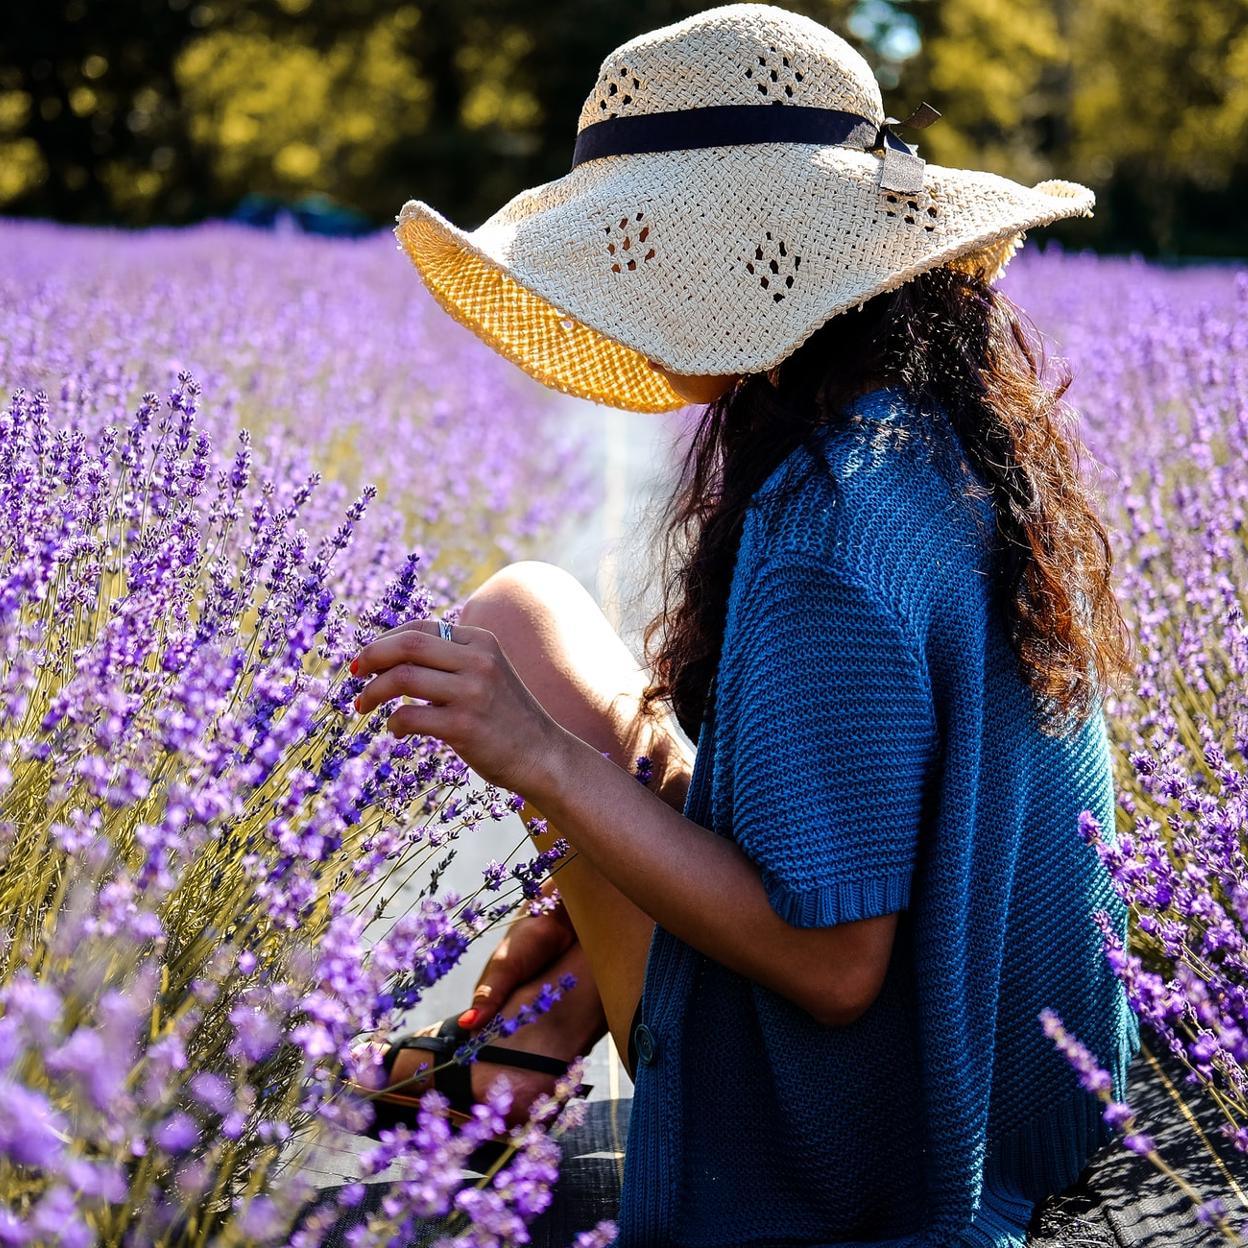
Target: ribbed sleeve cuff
{"x":842,"y":902}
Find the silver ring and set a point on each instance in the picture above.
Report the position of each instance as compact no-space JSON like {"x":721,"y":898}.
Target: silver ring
{"x":444,"y":630}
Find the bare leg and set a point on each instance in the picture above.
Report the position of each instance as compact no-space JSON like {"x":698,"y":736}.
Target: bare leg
{"x":567,"y":653}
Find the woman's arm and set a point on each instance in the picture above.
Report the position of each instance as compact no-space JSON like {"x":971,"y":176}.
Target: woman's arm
{"x":696,"y":884}
{"x":702,"y":888}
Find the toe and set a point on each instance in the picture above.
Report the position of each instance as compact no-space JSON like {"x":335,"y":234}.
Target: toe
{"x":408,"y":1066}
{"x":526,"y":1087}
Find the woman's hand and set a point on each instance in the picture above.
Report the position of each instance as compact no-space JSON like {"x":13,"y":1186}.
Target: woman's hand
{"x":476,"y":702}
{"x":531,"y":944}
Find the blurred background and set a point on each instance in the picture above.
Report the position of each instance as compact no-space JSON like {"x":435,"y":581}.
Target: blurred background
{"x":331,"y":114}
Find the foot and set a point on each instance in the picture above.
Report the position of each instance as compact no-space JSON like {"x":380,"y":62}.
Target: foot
{"x":572,"y":1026}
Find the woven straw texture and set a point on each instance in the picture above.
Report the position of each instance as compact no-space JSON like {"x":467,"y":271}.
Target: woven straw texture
{"x":712,"y":260}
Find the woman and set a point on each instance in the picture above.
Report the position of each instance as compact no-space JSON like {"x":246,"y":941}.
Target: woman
{"x":823,"y":940}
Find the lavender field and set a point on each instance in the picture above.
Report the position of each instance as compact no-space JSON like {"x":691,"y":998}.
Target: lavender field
{"x":1161,"y":362}
{"x":328,"y":349}
{"x":227,"y":459}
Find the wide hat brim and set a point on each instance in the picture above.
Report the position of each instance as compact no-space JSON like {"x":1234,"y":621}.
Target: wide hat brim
{"x":716,"y":260}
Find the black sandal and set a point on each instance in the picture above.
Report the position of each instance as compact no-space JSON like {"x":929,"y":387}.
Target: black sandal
{"x":454,"y":1081}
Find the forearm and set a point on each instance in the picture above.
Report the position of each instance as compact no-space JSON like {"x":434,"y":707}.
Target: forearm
{"x":694,"y":883}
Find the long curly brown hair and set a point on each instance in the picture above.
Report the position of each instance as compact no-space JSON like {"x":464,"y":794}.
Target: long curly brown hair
{"x":946,"y":335}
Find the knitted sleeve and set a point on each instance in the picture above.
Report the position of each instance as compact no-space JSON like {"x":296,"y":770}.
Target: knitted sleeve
{"x":833,"y":741}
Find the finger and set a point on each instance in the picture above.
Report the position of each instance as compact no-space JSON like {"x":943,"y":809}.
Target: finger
{"x":525,"y":952}
{"x":406,"y":680}
{"x":462,"y":634}
{"x":418,"y":644}
{"x":559,"y":912}
{"x":496,"y":983}
{"x":399,"y":628}
{"x":405,"y":627}
{"x":438,"y":722}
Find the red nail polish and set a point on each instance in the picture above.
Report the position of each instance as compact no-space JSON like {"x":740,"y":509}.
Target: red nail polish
{"x":355,"y":667}
{"x":469,"y":1018}
{"x":357,"y":704}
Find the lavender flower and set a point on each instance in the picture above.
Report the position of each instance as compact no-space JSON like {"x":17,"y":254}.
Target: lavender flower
{"x":195,"y":831}
{"x":1163,"y":410}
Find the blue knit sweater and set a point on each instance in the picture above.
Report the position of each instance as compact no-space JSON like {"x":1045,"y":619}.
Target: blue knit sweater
{"x":872,"y":747}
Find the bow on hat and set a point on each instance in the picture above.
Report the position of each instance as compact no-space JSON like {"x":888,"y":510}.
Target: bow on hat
{"x":710,"y":125}
{"x":902,"y":167}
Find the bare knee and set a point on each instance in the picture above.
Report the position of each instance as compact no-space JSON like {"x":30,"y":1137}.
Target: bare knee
{"x":525,"y":586}
{"x":535,"y":609}
{"x":560,"y":642}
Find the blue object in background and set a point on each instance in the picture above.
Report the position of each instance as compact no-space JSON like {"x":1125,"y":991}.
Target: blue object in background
{"x":313,"y":214}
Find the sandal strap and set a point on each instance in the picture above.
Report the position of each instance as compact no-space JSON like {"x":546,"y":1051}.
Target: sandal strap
{"x":455,"y":1082}
{"x":455,"y":1079}
{"x":522,"y":1058}
{"x":409,"y":1040}
{"x":450,"y":1036}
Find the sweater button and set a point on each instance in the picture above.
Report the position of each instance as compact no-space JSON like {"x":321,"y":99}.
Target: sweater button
{"x":646,"y":1044}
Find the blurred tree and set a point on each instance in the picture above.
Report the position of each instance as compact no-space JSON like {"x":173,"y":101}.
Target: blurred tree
{"x":280,"y":116}
{"x":1144,"y":100}
{"x":170,"y":110}
{"x":507,"y":90}
{"x":1161,"y":113}
{"x":91,"y":111}
{"x":994,"y":69}
{"x":167,"y":110}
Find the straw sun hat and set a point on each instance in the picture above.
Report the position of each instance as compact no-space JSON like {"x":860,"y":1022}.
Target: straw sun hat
{"x":734,"y":183}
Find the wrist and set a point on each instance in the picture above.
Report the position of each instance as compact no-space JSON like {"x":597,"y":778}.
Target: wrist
{"x":552,"y":766}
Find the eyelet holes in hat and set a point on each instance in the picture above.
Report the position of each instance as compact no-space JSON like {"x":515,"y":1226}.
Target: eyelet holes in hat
{"x":775,"y":265}
{"x":624,"y":250}
{"x":774,"y":80}
{"x":614,"y":95}
{"x":919,"y":209}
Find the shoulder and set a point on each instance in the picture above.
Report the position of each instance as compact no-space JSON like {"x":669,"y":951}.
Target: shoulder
{"x":890,"y":475}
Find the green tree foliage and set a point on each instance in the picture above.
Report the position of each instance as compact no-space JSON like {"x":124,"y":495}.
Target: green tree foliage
{"x":994,"y":69}
{"x":1146,"y":101}
{"x":92,"y":125}
{"x":1161,"y":114}
{"x":141,"y":111}
{"x":169,"y":110}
